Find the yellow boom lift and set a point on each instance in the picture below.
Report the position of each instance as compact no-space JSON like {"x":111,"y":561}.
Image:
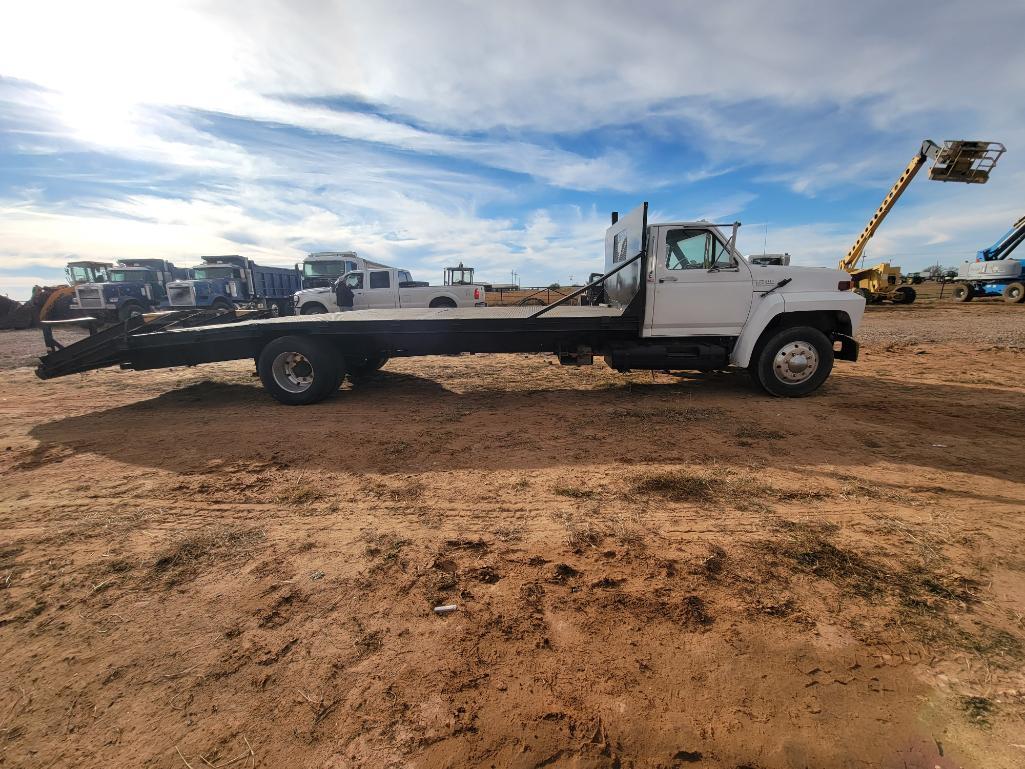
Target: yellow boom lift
{"x":956,"y":161}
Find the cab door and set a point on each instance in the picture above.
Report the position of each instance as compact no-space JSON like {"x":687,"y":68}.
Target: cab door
{"x":697,"y":288}
{"x":381,"y":294}
{"x":354,"y":280}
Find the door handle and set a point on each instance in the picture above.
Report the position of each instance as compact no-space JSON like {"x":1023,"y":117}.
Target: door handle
{"x":668,"y":280}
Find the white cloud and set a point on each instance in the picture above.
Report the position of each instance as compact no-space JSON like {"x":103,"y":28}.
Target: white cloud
{"x":820,"y":97}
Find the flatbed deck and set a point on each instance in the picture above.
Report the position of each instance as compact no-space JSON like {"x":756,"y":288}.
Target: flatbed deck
{"x":182,"y":338}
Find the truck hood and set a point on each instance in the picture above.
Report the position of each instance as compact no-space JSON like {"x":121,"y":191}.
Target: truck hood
{"x":801,"y":278}
{"x":314,"y":291}
{"x":110,"y":289}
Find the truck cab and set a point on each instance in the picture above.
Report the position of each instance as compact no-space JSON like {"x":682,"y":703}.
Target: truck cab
{"x":87,"y":272}
{"x":322,"y":268}
{"x":131,"y":287}
{"x":225,"y":282}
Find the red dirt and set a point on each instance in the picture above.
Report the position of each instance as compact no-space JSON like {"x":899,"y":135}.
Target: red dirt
{"x":651,"y":571}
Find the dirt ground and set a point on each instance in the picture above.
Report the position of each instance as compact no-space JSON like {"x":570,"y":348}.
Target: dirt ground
{"x":649,"y":570}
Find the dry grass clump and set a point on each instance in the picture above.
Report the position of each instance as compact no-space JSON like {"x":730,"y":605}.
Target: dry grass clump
{"x":682,"y":415}
{"x":719,"y":485}
{"x":928,"y":587}
{"x":575,"y":493}
{"x":384,"y":549}
{"x":180,"y":560}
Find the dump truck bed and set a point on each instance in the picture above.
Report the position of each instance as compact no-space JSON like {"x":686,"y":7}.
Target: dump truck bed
{"x":188,"y":338}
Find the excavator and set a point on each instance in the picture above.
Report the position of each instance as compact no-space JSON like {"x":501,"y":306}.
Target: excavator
{"x":969,"y":162}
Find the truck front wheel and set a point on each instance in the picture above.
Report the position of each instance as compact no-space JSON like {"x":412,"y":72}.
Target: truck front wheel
{"x":792,"y":362}
{"x":221,"y":305}
{"x":297,"y":370}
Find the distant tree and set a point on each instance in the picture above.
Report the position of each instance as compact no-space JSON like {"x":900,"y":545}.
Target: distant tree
{"x":933,"y":272}
{"x":555,"y":286}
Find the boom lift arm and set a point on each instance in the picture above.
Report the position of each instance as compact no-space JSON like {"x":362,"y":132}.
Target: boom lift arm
{"x":1009,"y":241}
{"x":968,"y":162}
{"x":929,"y":149}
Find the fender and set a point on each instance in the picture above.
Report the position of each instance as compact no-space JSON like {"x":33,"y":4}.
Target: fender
{"x":766,"y":310}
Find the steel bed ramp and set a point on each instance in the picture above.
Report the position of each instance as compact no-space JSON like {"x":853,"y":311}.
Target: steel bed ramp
{"x":107,"y":346}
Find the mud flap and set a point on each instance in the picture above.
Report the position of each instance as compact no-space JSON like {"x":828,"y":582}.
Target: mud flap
{"x":848,"y":347}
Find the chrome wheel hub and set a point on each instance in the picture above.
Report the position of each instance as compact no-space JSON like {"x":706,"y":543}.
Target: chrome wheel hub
{"x":292,"y":371}
{"x":795,"y":362}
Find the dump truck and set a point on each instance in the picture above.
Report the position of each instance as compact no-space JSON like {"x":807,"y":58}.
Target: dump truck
{"x":229,"y":281}
{"x":322,"y":268}
{"x":681,"y":297}
{"x":132,"y":287}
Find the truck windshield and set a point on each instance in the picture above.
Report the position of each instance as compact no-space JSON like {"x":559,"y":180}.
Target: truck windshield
{"x":323,"y":269}
{"x":87,"y":274}
{"x":128,"y":276}
{"x":206,"y":273}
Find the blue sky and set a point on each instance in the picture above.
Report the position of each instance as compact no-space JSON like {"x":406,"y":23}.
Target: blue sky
{"x":421,"y":134}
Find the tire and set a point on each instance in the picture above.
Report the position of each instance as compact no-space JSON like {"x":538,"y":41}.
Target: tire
{"x":532,"y":302}
{"x":313,"y":308}
{"x":299,"y":370}
{"x":776,"y":361}
{"x":129,"y":310}
{"x":365,"y":366}
{"x":221,"y":305}
{"x":441,"y":301}
{"x":1014,"y":293}
{"x":962,"y":293}
{"x":904,"y":295}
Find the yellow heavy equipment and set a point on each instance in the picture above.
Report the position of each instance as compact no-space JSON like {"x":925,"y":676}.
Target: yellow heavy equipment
{"x":969,"y":162}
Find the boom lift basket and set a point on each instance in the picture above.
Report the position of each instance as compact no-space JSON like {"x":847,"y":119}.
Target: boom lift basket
{"x":966,"y":161}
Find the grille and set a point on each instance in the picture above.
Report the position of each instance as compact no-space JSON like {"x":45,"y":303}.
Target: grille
{"x":180,"y":296}
{"x":89,"y":297}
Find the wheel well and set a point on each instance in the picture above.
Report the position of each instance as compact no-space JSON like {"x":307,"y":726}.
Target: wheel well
{"x":442,"y":301}
{"x":826,"y":321}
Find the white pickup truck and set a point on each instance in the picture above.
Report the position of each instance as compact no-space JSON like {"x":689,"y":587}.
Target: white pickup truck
{"x":388,"y":289}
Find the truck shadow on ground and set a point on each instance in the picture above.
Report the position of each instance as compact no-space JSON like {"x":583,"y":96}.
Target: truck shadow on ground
{"x":403,"y":423}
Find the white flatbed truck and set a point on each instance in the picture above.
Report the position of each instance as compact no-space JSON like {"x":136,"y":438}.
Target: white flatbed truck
{"x":680,"y":298}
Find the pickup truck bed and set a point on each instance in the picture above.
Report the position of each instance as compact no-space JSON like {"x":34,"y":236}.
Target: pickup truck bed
{"x":173,"y":339}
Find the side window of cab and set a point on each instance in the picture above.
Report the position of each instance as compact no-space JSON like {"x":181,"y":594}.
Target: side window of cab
{"x":687,"y":250}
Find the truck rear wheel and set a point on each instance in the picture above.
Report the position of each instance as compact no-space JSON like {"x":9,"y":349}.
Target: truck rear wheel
{"x":792,"y":362}
{"x":962,"y":293}
{"x":313,"y":308}
{"x":221,"y":305}
{"x":441,"y":301}
{"x":298,"y":370}
{"x":1014,"y":293}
